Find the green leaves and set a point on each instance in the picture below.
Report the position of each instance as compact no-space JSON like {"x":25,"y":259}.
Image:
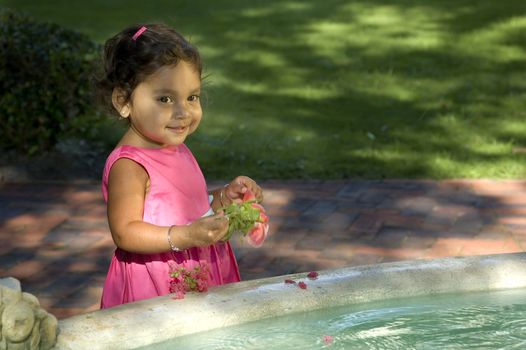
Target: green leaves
{"x":242,"y":217}
{"x":45,"y":81}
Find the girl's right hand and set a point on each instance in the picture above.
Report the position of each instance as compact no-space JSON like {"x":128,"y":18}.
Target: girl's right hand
{"x":208,"y":230}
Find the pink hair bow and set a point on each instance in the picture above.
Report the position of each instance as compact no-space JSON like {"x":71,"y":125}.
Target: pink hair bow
{"x":139,"y":32}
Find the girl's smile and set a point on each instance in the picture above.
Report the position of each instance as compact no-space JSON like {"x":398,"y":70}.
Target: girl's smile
{"x":178,"y":129}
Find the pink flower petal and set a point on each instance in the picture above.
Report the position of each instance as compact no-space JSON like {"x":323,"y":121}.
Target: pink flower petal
{"x":248,"y":196}
{"x":191,"y":275}
{"x":258,"y":206}
{"x":290,"y":282}
{"x":328,"y":339}
{"x":257,"y":235}
{"x":263,"y":217}
{"x":312,"y":275}
{"x":302,"y":285}
{"x":178,"y":295}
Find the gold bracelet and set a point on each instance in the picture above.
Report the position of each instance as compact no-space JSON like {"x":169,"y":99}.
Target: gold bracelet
{"x":172,"y":246}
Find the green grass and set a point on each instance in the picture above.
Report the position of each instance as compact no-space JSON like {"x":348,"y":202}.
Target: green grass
{"x":344,"y":89}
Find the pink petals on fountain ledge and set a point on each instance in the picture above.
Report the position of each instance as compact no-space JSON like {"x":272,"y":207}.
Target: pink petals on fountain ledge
{"x":313,"y":275}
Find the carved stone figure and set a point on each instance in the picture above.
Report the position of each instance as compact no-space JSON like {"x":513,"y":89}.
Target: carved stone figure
{"x":24,"y":325}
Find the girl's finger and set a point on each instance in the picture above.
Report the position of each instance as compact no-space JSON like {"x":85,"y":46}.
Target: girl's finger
{"x":245,"y":183}
{"x":241,"y":186}
{"x":221,"y":217}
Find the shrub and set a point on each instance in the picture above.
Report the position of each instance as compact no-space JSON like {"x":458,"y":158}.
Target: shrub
{"x":45,"y":73}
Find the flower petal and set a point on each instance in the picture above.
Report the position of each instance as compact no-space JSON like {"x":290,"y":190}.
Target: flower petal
{"x":312,"y":275}
{"x":178,"y":295}
{"x":328,"y":339}
{"x":257,"y":235}
{"x":263,"y":217}
{"x":191,"y":275}
{"x":302,"y":285}
{"x":258,"y":206}
{"x":248,"y":196}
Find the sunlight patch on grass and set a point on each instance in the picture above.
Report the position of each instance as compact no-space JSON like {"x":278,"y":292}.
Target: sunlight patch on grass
{"x":387,"y":84}
{"x":401,"y":26}
{"x":263,"y":58}
{"x":251,"y":87}
{"x":495,"y":43}
{"x":329,"y":39}
{"x":269,"y":10}
{"x":310,"y":92}
{"x":517,"y":127}
{"x":442,"y":164}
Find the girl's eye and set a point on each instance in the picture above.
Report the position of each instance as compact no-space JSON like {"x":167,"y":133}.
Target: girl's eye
{"x":193,"y":98}
{"x":165,"y":99}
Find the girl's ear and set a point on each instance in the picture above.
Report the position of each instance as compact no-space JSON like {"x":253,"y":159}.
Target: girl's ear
{"x":118,"y":99}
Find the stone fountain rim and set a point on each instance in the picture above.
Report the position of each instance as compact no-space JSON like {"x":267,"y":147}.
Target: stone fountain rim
{"x":159,"y":319}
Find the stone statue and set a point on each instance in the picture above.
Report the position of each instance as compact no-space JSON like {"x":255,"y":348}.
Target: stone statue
{"x":24,"y":325}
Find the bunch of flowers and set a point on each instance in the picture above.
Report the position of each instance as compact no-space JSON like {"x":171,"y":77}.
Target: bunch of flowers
{"x":191,"y":276}
{"x":249,"y":219}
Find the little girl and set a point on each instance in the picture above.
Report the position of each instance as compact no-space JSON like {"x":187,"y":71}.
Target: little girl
{"x":159,"y":210}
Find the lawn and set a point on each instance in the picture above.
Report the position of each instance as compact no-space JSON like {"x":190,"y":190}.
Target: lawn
{"x":343,"y":89}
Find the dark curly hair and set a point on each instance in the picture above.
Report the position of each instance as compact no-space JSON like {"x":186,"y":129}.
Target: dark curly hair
{"x":127,"y":62}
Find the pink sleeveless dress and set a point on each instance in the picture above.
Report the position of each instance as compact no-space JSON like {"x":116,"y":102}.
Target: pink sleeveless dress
{"x":178,"y":196}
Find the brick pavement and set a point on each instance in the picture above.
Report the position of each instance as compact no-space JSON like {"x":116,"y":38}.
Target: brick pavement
{"x":54,"y":236}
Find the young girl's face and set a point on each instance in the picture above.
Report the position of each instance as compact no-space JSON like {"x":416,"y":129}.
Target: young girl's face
{"x":165,"y":108}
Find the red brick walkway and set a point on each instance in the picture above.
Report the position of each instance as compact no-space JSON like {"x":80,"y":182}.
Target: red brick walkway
{"x":54,"y":237}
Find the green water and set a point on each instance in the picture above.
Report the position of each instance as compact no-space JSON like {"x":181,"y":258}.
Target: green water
{"x":495,"y":320}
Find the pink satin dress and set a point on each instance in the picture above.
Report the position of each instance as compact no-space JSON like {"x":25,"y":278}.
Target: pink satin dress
{"x":177,"y":196}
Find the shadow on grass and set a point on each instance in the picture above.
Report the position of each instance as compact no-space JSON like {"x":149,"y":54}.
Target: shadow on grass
{"x":472,"y":91}
{"x":332,"y":89}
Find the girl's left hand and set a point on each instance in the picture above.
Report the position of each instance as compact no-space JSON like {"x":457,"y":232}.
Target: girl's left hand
{"x":235,"y":190}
